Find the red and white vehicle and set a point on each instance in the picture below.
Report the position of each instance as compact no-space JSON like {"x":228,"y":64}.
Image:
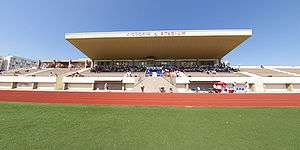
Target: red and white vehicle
{"x":222,"y":87}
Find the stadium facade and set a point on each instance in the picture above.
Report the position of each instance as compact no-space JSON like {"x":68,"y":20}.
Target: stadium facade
{"x":158,"y":47}
{"x":159,"y":61}
{"x":14,"y":62}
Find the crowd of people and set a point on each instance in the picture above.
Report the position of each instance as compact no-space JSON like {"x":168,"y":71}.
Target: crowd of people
{"x":62,"y":65}
{"x":118,"y":68}
{"x":194,"y":68}
{"x":203,"y":68}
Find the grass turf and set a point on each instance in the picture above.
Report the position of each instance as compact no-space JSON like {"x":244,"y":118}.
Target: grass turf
{"x":48,"y":126}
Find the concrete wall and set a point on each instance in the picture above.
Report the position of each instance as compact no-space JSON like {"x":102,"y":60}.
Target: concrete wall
{"x":256,"y":84}
{"x":27,"y":83}
{"x":79,"y":86}
{"x":204,"y":86}
{"x":5,"y":85}
{"x":92,"y":83}
{"x":279,"y":87}
{"x":296,"y":87}
{"x":45,"y":86}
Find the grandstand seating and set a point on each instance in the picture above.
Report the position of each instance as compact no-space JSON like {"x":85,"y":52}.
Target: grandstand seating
{"x":18,"y":72}
{"x":215,"y":74}
{"x":264,"y":72}
{"x":118,"y":68}
{"x":195,"y":68}
{"x":291,"y":70}
{"x":88,"y":73}
{"x":55,"y":71}
{"x":153,"y":84}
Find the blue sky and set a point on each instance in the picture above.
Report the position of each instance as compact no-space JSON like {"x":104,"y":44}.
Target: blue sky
{"x":35,"y":28}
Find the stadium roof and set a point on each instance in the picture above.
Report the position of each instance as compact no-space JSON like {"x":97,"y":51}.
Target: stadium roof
{"x":179,"y":44}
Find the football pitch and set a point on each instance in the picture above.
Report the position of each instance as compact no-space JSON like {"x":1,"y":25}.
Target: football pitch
{"x":62,"y":126}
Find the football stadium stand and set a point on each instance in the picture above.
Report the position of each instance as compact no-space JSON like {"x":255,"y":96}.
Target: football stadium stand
{"x":154,"y":61}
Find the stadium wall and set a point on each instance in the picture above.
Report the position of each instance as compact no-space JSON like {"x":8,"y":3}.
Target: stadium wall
{"x":183,"y":84}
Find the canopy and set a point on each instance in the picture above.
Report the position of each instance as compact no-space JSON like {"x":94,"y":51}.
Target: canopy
{"x":177,"y":44}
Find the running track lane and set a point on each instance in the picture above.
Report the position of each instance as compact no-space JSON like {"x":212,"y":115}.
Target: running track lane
{"x":152,"y":99}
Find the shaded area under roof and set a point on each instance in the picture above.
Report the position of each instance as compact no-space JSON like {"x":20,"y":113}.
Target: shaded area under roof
{"x":177,"y":44}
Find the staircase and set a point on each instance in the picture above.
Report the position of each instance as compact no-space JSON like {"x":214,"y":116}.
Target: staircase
{"x":152,"y":84}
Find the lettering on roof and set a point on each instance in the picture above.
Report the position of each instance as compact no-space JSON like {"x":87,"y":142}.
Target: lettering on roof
{"x":156,"y":33}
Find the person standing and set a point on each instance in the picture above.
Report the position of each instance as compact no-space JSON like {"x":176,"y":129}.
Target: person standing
{"x":105,"y":87}
{"x":142,"y":87}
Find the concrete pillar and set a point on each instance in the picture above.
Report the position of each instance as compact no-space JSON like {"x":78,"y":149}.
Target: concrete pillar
{"x":175,"y":62}
{"x":289,"y":87}
{"x":39,"y":64}
{"x":34,"y":85}
{"x":259,"y":87}
{"x":65,"y":86}
{"x":251,"y":87}
{"x":187,"y":87}
{"x":94,"y":86}
{"x":59,"y":83}
{"x":8,"y":60}
{"x":85,"y":63}
{"x":92,"y":63}
{"x":123,"y":87}
{"x":70,"y":64}
{"x":218,"y":61}
{"x":14,"y":85}
{"x":54,"y":62}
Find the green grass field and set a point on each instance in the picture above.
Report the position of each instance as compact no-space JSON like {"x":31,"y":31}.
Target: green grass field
{"x":48,"y":126}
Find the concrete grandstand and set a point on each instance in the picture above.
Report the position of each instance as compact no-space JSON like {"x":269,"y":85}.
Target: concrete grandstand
{"x":159,"y":61}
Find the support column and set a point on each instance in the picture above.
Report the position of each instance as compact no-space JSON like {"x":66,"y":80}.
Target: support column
{"x":34,"y":85}
{"x":59,"y":83}
{"x":123,"y":87}
{"x":70,"y":64}
{"x":92,"y":63}
{"x":14,"y":85}
{"x":218,"y":61}
{"x":290,"y":87}
{"x":39,"y":64}
{"x":54,"y":62}
{"x":186,"y":87}
{"x":85,"y":64}
{"x":94,"y":86}
{"x":259,"y":87}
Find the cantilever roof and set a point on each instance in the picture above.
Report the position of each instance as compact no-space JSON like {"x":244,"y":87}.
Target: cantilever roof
{"x":204,"y":44}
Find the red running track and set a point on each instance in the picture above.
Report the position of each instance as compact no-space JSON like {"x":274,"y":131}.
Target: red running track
{"x":152,"y":99}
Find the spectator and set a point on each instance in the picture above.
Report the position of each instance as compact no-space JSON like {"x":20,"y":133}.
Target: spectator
{"x":222,"y":67}
{"x":51,"y":74}
{"x":142,"y":87}
{"x":105,"y":87}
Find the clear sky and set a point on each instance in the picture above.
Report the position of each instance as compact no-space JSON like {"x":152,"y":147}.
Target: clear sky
{"x":35,"y":28}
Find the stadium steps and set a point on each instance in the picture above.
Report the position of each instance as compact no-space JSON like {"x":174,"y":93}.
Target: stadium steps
{"x":171,"y":80}
{"x":40,"y":71}
{"x":274,"y":69}
{"x":249,"y":74}
{"x":73,"y":72}
{"x":153,"y":84}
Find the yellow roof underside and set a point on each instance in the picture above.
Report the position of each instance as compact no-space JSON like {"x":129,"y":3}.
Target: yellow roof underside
{"x":192,"y":44}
